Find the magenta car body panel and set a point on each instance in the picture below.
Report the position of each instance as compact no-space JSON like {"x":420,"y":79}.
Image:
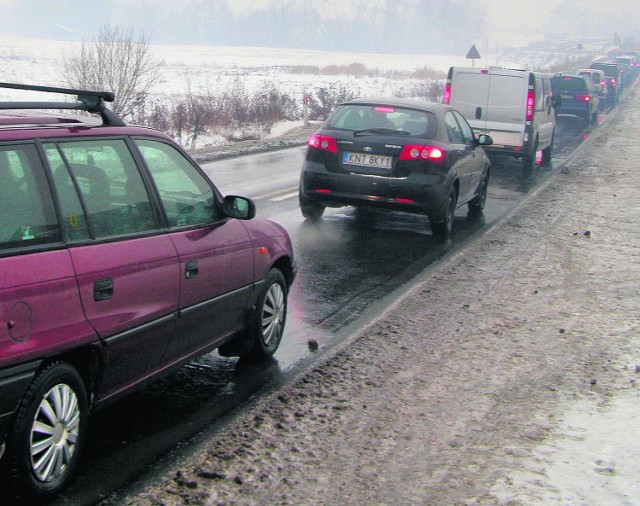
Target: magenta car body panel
{"x":119,"y":260}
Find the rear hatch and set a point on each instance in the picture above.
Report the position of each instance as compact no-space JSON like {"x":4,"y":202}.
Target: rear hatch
{"x":493,"y":102}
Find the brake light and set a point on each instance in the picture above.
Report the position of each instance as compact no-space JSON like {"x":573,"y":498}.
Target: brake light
{"x":603,"y":84}
{"x":583,"y":98}
{"x":530,"y":104}
{"x":384,"y":109}
{"x":446,"y":96}
{"x":613,"y":83}
{"x":323,"y":142}
{"x":419,"y":152}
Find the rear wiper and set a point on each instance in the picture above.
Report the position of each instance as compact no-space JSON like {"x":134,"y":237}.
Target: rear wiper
{"x":381,"y":131}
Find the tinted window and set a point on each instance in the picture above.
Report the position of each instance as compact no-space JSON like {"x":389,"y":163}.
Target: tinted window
{"x":453,"y":129}
{"x":361,"y":117}
{"x":186,"y":195}
{"x":27,"y":214}
{"x":467,"y":132}
{"x":100,"y":189}
{"x":569,"y":85}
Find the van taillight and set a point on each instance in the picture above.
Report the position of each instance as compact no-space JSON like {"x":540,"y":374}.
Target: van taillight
{"x":323,"y":142}
{"x":446,"y":97}
{"x":530,"y":104}
{"x":583,"y":98}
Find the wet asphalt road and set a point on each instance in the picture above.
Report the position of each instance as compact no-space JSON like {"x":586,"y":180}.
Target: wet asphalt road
{"x":349,"y":269}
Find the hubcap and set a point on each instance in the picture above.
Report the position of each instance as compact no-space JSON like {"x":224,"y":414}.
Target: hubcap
{"x":54,"y":433}
{"x":273,"y":314}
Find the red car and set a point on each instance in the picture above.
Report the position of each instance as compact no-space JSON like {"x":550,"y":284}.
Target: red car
{"x":119,"y":260}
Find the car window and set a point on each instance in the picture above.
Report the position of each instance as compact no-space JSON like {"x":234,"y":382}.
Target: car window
{"x":360,"y":117}
{"x":539,"y":96}
{"x":569,"y":85}
{"x":186,"y":195}
{"x":100,"y":189}
{"x":453,"y":129}
{"x":27,"y":213}
{"x":465,"y":129}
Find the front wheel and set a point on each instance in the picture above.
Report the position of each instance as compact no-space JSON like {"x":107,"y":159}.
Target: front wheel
{"x":45,"y":441}
{"x":268,"y":319}
{"x":477,"y":203}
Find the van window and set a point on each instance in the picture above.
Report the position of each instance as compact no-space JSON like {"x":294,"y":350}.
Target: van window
{"x":27,"y":213}
{"x":507,"y":91}
{"x":539,"y":100}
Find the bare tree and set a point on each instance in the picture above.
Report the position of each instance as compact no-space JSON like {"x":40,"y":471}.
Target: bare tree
{"x":117,"y":61}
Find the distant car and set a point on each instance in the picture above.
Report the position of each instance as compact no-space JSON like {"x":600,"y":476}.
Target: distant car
{"x":599,"y":83}
{"x":628,"y":69}
{"x":119,"y":260}
{"x":577,"y":95}
{"x":616,"y":86}
{"x":399,"y":154}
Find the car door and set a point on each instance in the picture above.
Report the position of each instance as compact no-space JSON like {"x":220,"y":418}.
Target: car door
{"x":475,"y":164}
{"x":215,"y":252}
{"x":39,"y":301}
{"x":461,"y":155}
{"x":126,"y":266}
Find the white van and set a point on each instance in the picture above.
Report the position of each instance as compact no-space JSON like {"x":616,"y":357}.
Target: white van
{"x":514,"y":107}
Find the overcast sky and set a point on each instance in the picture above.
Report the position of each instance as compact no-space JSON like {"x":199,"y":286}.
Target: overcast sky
{"x":508,"y":21}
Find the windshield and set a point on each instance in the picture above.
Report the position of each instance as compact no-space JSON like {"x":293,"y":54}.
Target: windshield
{"x":384,"y":119}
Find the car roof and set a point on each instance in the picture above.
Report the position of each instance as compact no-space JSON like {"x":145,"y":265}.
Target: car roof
{"x":409,"y":103}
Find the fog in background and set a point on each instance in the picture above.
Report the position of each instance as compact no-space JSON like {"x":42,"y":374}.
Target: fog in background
{"x":381,"y":26}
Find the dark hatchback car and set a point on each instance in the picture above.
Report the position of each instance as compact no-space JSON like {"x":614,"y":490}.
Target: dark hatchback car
{"x":399,"y":154}
{"x":119,"y":261}
{"x":578,"y":97}
{"x":615,"y":85}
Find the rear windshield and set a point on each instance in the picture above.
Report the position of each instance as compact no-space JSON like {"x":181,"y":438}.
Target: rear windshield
{"x":570,"y":85}
{"x":623,"y":61}
{"x":362,"y":117}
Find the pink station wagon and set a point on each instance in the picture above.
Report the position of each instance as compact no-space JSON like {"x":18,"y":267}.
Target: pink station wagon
{"x":119,"y":260}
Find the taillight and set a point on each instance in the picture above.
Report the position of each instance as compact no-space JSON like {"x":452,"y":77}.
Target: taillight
{"x":446,"y":97}
{"x":583,"y":98}
{"x":323,"y":142}
{"x":613,"y":83}
{"x":530,"y":104}
{"x":419,"y":152}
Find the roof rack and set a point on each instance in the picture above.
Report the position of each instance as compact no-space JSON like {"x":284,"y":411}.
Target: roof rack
{"x":90,"y":101}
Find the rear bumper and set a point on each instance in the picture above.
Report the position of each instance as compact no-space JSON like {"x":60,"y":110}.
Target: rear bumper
{"x":417,"y":193}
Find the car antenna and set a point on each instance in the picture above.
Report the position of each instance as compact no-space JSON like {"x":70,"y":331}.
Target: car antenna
{"x":89,"y":101}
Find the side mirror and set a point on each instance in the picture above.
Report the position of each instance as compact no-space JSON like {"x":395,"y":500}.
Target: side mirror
{"x":242,"y":208}
{"x":556,"y":101}
{"x":485,"y":140}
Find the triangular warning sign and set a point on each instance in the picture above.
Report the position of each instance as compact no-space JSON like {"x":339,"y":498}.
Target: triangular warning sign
{"x":473,"y":53}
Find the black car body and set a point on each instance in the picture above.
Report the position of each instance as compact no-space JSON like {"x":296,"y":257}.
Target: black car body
{"x":399,"y":154}
{"x":577,"y":95}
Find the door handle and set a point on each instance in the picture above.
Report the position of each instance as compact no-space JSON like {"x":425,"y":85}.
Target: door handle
{"x":478,"y":112}
{"x":191,"y":269}
{"x":102,"y":289}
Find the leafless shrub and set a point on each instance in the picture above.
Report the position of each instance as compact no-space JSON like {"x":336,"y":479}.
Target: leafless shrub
{"x":117,"y":61}
{"x":324,"y":99}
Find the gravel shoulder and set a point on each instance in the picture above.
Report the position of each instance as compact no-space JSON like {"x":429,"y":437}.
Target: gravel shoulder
{"x":507,"y":375}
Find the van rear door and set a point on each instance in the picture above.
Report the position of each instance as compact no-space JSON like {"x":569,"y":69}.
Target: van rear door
{"x":470,"y":95}
{"x":506,"y":108}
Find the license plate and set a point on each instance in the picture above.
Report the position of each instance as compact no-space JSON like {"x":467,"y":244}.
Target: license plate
{"x":566,"y":96}
{"x":379,"y":161}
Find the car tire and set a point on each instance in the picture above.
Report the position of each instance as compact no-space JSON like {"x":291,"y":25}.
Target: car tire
{"x":442,"y":223}
{"x":46,"y":439}
{"x":477,"y":203}
{"x":529,"y":160}
{"x":547,"y":153}
{"x":269,"y":316}
{"x":312,"y":211}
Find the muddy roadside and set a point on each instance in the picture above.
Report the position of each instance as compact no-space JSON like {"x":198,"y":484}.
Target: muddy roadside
{"x":506,"y":375}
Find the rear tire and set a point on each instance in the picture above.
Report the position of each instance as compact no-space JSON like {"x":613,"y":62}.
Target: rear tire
{"x":529,"y":160}
{"x":442,"y":223}
{"x":311,"y":211}
{"x":45,"y":442}
{"x":546,"y":153}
